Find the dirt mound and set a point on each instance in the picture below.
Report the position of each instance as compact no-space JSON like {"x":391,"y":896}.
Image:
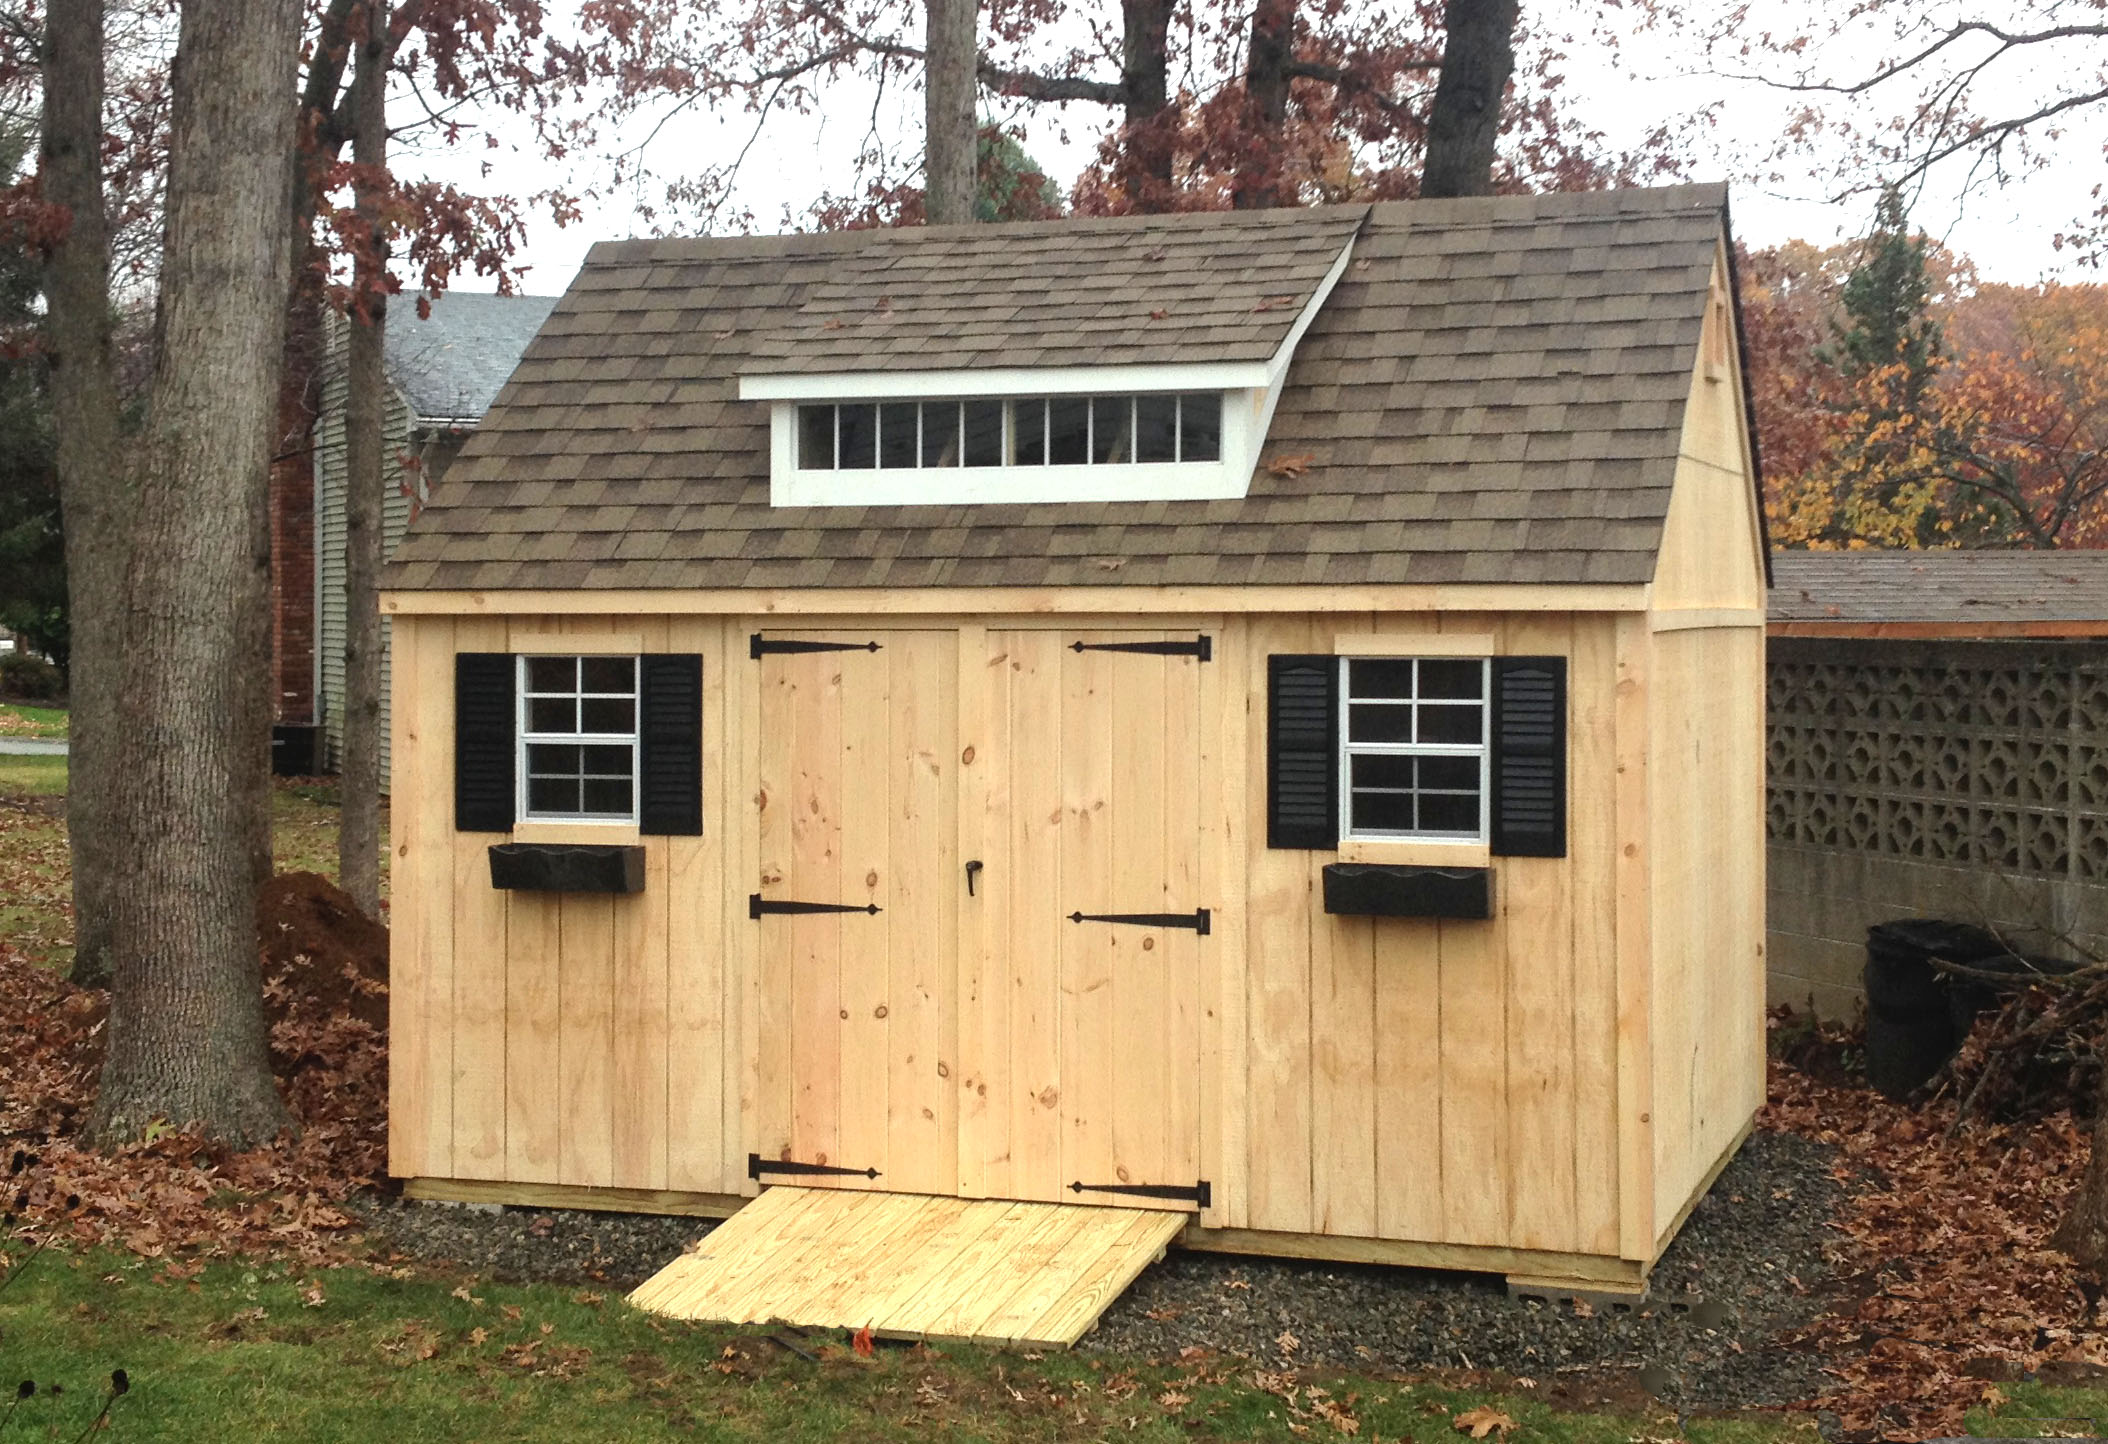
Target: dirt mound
{"x":321,"y":956}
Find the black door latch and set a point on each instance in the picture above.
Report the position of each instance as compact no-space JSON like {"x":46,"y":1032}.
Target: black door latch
{"x":971,"y":868}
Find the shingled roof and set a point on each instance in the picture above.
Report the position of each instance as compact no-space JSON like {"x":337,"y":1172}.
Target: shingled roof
{"x":451,"y":364}
{"x":1970,"y":588}
{"x":1493,"y":392}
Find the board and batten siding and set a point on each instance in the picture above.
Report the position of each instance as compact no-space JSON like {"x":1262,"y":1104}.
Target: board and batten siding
{"x":1486,"y":1085}
{"x":329,"y":555}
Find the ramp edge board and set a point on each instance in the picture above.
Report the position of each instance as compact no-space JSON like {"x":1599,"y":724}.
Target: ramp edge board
{"x":910,"y":1266}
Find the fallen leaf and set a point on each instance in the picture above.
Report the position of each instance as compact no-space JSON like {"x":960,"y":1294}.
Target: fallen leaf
{"x":1583,"y":1309}
{"x":1291,"y":466}
{"x":1159,"y":315}
{"x":1173,"y":1400}
{"x":1287,"y":1342}
{"x":1480,"y":1422}
{"x":1274,"y":303}
{"x":862,"y":1342}
{"x":466,"y":1297}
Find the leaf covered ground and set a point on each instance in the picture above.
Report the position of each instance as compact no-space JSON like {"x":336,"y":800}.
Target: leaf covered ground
{"x":234,"y":1285}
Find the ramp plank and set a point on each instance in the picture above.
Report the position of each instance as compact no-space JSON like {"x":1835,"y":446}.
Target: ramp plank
{"x":913,"y":1266}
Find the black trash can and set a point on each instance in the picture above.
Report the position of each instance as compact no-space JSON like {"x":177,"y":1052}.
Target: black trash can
{"x":1912,"y":1023}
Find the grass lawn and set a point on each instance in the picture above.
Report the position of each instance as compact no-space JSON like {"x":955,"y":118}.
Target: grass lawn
{"x":354,"y":1355}
{"x":21,"y":719}
{"x":35,"y":873}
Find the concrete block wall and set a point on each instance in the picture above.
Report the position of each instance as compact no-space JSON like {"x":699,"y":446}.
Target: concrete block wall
{"x":1821,"y":902}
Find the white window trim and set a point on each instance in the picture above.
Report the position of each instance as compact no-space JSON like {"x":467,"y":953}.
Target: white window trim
{"x":1465,"y":842}
{"x":634,"y":740}
{"x":1251,"y":390}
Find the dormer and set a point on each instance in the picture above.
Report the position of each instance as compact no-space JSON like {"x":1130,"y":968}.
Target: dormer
{"x":1063,"y":366}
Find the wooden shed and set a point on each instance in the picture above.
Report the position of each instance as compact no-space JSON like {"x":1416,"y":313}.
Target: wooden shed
{"x":1254,"y":719}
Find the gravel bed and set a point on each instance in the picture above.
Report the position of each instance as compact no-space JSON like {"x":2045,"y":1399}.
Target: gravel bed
{"x":1700,"y":1341}
{"x":525,"y":1245}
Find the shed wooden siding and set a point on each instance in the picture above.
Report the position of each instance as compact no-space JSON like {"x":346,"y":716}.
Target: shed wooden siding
{"x":1471,"y":1083}
{"x":561,"y":1039}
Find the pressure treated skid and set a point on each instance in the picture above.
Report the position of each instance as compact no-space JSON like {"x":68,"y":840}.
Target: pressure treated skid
{"x":1542,"y":1094}
{"x":909,"y":1266}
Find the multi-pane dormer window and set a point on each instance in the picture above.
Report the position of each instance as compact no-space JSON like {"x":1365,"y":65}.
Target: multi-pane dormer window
{"x":1131,"y":430}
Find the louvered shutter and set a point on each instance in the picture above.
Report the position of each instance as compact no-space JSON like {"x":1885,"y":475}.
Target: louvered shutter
{"x":670,"y":792}
{"x":1529,"y":756}
{"x":485,"y":713}
{"x":1302,"y":752}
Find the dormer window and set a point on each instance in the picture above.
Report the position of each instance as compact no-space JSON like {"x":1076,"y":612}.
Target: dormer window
{"x":1039,"y":431}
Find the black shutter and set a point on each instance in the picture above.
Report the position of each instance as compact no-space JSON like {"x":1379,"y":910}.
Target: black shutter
{"x":1529,"y":756}
{"x":1302,"y":752}
{"x":670,"y":793}
{"x":484,"y":714}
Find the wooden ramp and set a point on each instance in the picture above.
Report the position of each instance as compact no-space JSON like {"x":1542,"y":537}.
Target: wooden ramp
{"x":909,"y":1266}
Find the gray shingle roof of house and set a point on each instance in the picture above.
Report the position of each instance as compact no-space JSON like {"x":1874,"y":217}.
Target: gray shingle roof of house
{"x":451,"y":364}
{"x":1940,"y":586}
{"x":1494,"y":392}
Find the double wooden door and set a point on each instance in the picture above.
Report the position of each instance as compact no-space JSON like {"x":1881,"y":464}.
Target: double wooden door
{"x":1012,"y":1007}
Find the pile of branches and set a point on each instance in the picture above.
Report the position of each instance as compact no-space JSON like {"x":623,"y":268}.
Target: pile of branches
{"x":2036,"y":1051}
{"x":175,"y":1192}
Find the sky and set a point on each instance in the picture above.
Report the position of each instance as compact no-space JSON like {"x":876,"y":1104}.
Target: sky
{"x":1622,"y":89}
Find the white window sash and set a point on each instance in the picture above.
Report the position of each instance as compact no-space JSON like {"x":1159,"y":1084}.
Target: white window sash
{"x":1482,"y":750}
{"x":633,"y":740}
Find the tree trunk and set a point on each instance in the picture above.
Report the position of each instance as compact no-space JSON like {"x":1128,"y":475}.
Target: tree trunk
{"x":2083,"y":1235}
{"x":951,"y":134}
{"x":1257,"y":184}
{"x":187,"y":1042}
{"x":93,"y":490}
{"x":1478,"y":56}
{"x":1147,"y":148}
{"x":365,"y":416}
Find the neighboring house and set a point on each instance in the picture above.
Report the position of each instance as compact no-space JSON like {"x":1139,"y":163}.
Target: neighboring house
{"x":1938,"y":747}
{"x":443,"y":373}
{"x":1251,"y":718}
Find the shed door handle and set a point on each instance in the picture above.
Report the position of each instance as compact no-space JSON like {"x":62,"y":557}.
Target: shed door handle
{"x":971,"y":868}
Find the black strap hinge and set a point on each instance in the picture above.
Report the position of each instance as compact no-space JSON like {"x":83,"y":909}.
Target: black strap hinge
{"x":1201,"y":648}
{"x":1199,"y":1193}
{"x":1196,"y":920}
{"x":757,"y":1165}
{"x":759,"y":646}
{"x":757,"y":905}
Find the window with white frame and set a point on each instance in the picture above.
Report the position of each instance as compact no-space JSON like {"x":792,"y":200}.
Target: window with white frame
{"x":578,"y":739}
{"x":1413,"y":751}
{"x":1039,"y":431}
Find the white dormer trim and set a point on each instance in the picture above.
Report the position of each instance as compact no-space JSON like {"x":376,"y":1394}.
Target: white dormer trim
{"x":1005,"y":381}
{"x":1250,"y":390}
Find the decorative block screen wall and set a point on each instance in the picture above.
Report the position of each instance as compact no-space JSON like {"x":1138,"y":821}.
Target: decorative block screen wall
{"x":1980,"y":755}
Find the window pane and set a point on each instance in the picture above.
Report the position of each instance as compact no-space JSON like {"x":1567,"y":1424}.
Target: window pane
{"x":1380,"y":722}
{"x":608,"y":714}
{"x":897,"y":444}
{"x":1380,"y":678}
{"x":1380,"y":771}
{"x":856,"y":438}
{"x":1450,"y":723}
{"x":607,"y":795}
{"x":1112,"y":418}
{"x":552,"y":714}
{"x":605,"y":761}
{"x":940,"y":433}
{"x":608,"y":674}
{"x":984,"y":433}
{"x":552,"y":674}
{"x":1451,"y":773}
{"x":1460,"y":678}
{"x":1156,"y":428}
{"x":1383,"y":811}
{"x":1030,"y":419}
{"x":816,"y":438}
{"x":1442,"y":812}
{"x":548,"y":759}
{"x":1200,"y":427}
{"x":1068,"y":430}
{"x":552,"y":794}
